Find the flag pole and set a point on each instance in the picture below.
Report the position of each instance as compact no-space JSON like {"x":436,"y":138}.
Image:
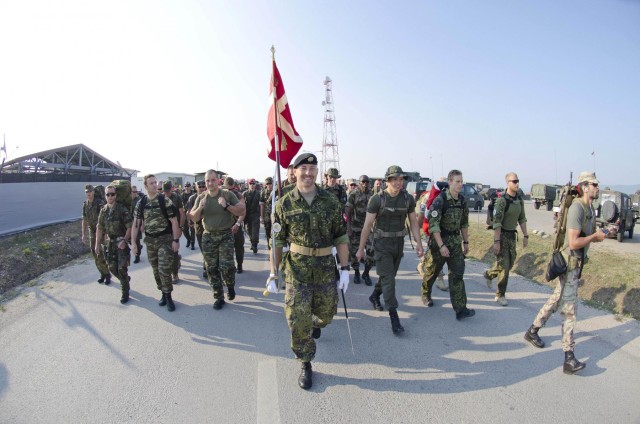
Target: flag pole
{"x":276,"y":176}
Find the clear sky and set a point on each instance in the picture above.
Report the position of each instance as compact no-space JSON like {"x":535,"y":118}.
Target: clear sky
{"x":182,"y":86}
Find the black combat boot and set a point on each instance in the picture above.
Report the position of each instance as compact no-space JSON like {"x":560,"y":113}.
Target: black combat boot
{"x":305,"y":380}
{"x":465,"y":313}
{"x":356,"y":277}
{"x":125,"y":291}
{"x":163,"y":300}
{"x":316,"y":332}
{"x":571,"y":364}
{"x":218,"y":304}
{"x":427,"y":301}
{"x":365,"y":276}
{"x":375,"y":300}
{"x":188,"y":242}
{"x":137,"y":259}
{"x":532,"y":336}
{"x":396,"y":327}
{"x":231,"y":294}
{"x":101,"y":279}
{"x":254,"y":247}
{"x":239,"y":268}
{"x":170,"y":305}
{"x":107,"y":279}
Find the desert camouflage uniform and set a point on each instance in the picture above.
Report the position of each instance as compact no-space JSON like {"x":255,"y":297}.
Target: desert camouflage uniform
{"x":311,"y":297}
{"x":218,"y":242}
{"x":176,"y":199}
{"x":449,"y":226}
{"x":359,"y":200}
{"x":114,"y":222}
{"x":158,"y":238}
{"x":199,"y":230}
{"x":508,"y":225}
{"x":134,"y":202}
{"x":90,"y":213}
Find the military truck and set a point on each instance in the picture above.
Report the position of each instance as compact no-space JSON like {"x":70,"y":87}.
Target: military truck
{"x":635,"y":204}
{"x":416,"y":188}
{"x":544,"y":194}
{"x":614,"y":212}
{"x":475,"y":201}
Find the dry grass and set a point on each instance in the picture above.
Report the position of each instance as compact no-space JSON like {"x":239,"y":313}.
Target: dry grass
{"x":609,"y":279}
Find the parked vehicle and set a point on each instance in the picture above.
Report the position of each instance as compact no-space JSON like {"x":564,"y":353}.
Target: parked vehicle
{"x":492,"y":193}
{"x":416,"y":188}
{"x":475,"y":201}
{"x":613,"y":211}
{"x":635,"y":204}
{"x":544,"y":194}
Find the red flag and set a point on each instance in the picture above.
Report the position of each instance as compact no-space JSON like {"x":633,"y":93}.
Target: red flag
{"x":288,"y":138}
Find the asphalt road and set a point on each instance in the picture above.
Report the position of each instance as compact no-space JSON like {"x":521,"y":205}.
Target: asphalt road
{"x":70,"y":352}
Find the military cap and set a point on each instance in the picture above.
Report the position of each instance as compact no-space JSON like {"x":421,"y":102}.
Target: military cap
{"x":588,"y":177}
{"x":305,"y":159}
{"x":364,"y":179}
{"x":167,"y":185}
{"x":188,"y":184}
{"x":228,"y":182}
{"x":200,"y":183}
{"x":268,"y":180}
{"x":88,"y":188}
{"x":333,"y":172}
{"x":394,"y":171}
{"x":251,"y":180}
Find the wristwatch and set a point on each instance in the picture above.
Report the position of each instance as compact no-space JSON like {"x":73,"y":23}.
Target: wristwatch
{"x":345,"y":268}
{"x":176,"y":240}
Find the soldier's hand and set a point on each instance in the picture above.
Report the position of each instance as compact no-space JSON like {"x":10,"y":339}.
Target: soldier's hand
{"x":496,"y":248}
{"x":343,"y":282}
{"x":134,"y":249}
{"x":465,"y":249}
{"x":420,"y":250}
{"x":235,"y":229}
{"x":444,"y":251}
{"x":222,"y":202}
{"x":360,"y":254}
{"x":600,"y":235}
{"x":525,"y":241}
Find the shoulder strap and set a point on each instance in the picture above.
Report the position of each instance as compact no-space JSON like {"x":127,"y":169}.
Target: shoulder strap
{"x":163,"y":206}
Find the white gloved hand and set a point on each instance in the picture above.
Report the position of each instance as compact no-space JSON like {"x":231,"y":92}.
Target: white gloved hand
{"x":334,"y":251}
{"x":343,"y":282}
{"x":272,"y":285}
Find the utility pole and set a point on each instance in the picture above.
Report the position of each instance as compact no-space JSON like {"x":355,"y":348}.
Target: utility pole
{"x":330,"y":157}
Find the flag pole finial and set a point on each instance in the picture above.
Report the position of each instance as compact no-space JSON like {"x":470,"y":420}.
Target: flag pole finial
{"x":273,"y":52}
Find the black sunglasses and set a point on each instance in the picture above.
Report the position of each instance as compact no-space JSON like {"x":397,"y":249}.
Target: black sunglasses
{"x":594,"y":184}
{"x":353,"y":184}
{"x":109,"y":194}
{"x":515,"y":181}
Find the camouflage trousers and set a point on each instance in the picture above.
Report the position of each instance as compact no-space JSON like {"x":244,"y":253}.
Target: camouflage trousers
{"x":455,"y":263}
{"x":217,"y":248}
{"x":565,"y":298}
{"x":309,"y":304}
{"x":252,"y":224}
{"x":118,"y":260}
{"x":161,"y":258}
{"x":98,"y":258}
{"x":137,"y":242}
{"x":189,"y":233}
{"x":388,"y":254}
{"x":267,"y":232}
{"x":504,"y":262}
{"x":354,"y":244}
{"x":238,"y":246}
{"x":175,"y":264}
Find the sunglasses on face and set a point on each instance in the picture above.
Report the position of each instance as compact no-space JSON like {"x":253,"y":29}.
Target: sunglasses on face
{"x":594,"y":184}
{"x":353,"y":185}
{"x":515,"y":181}
{"x":110,"y":194}
{"x":201,"y":186}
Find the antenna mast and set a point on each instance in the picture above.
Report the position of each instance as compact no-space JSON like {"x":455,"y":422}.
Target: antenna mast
{"x":330,"y":157}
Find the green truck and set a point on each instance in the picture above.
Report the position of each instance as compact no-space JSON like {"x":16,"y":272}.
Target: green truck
{"x":544,"y":194}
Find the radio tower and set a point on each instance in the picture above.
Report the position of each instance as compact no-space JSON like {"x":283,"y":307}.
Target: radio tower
{"x":330,"y":158}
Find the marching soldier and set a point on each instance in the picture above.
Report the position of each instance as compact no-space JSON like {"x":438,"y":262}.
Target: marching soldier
{"x":356,"y":215}
{"x":90,"y":212}
{"x":265,"y":213}
{"x":176,"y":200}
{"x":187,"y":226}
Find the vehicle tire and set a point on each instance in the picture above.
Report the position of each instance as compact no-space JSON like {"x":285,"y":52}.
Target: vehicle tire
{"x":609,"y":211}
{"x":478,"y":206}
{"x":621,"y":236}
{"x":549,"y":206}
{"x":536,"y":205}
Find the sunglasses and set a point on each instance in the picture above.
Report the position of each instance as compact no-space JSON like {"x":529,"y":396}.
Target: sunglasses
{"x":252,"y":183}
{"x":353,"y":185}
{"x":515,"y":181}
{"x":594,"y":184}
{"x":201,"y":186}
{"x":109,"y":194}
{"x":365,"y":181}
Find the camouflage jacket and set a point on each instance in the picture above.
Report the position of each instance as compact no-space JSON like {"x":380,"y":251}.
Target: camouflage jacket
{"x":90,"y":212}
{"x":338,"y":191}
{"x":317,"y":225}
{"x":358,"y":200}
{"x":155,"y":222}
{"x":265,"y":198}
{"x":115,"y":220}
{"x":454,"y":218}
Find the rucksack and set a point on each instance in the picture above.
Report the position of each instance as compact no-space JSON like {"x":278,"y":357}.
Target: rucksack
{"x":436,"y":190}
{"x":568,"y":195}
{"x":123,"y":192}
{"x":161,"y":203}
{"x":383,"y":202}
{"x":98,"y":193}
{"x":509,"y":201}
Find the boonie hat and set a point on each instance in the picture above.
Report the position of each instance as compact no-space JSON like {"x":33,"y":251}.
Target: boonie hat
{"x":588,"y":177}
{"x":88,"y":188}
{"x":305,"y":159}
{"x":333,"y":172}
{"x":167,"y":185}
{"x":394,"y":171}
{"x":268,"y":180}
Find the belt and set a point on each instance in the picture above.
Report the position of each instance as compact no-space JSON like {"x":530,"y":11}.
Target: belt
{"x":447,"y":233}
{"x":115,"y":238}
{"x":385,"y":234}
{"x":218,"y":231}
{"x":310,"y":251}
{"x":509,"y":231}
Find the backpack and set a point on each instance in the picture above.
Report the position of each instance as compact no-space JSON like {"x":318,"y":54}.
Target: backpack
{"x":436,"y":189}
{"x":123,"y":192}
{"x":492,"y":206}
{"x":163,"y":209}
{"x":98,"y":193}
{"x":383,"y":201}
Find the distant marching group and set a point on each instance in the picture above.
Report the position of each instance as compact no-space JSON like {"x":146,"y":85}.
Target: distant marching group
{"x":319,"y":232}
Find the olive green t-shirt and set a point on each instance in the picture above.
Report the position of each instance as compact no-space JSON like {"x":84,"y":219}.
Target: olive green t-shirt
{"x":214,"y":216}
{"x":396,"y":209}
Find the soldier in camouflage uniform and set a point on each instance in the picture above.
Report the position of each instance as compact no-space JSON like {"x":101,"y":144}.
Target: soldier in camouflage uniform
{"x":187,"y":226}
{"x":176,"y":200}
{"x":356,"y":214}
{"x":449,"y":243}
{"x":238,"y":228}
{"x":310,"y":220}
{"x":162,"y":236}
{"x":265,"y":213}
{"x":135,"y":198}
{"x":199,"y":229}
{"x":218,"y":208}
{"x":115,"y":222}
{"x":377,"y":187}
{"x":332,"y":185}
{"x":90,"y":211}
{"x":389,"y":210}
{"x":581,"y":232}
{"x":252,"y":219}
{"x":508,"y":213}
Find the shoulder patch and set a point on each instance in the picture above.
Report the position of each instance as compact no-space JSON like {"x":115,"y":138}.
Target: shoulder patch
{"x":434,"y":213}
